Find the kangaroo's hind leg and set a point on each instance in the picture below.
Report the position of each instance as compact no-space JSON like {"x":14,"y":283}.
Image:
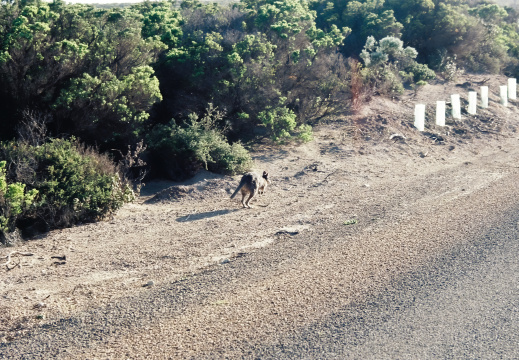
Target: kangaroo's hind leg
{"x":243,"y":194}
{"x":248,"y":200}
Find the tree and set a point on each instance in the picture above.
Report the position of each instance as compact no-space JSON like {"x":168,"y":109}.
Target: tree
{"x":109,"y":106}
{"x":50,"y":51}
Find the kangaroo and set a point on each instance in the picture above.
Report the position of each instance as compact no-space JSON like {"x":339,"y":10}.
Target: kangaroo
{"x":252,"y":184}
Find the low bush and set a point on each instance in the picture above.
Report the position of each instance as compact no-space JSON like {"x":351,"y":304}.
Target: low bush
{"x":77,"y":183}
{"x":281,"y":124}
{"x":58,"y":183}
{"x":229,"y":159}
{"x":14,"y":201}
{"x":305,"y":133}
{"x":182,"y":150}
{"x":387,"y":64}
{"x":421,"y":72}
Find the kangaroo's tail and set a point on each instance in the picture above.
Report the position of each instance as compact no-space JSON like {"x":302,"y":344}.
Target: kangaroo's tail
{"x":242,"y":182}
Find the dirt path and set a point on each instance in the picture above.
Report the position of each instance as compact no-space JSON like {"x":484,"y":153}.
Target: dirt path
{"x":185,"y":272}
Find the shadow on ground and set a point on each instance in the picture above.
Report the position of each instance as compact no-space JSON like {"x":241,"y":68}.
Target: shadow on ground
{"x":205,"y":215}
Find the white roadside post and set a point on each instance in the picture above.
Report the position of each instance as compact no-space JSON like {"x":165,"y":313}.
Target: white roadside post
{"x":419,"y":116}
{"x":473,"y":102}
{"x":503,"y":94}
{"x":440,"y":113}
{"x":456,"y":106}
{"x":512,"y":89}
{"x":484,"y":97}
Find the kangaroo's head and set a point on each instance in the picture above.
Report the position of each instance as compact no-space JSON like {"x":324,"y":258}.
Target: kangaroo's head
{"x":266,"y":177}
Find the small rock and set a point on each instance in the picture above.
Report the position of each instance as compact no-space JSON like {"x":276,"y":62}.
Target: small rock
{"x":40,"y":305}
{"x":397,"y":137}
{"x":225,"y":261}
{"x":149,"y":284}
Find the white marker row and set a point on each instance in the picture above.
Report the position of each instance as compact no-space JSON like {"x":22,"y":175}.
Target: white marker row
{"x":505,"y":92}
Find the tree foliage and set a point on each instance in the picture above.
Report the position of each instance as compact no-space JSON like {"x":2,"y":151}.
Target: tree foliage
{"x":479,"y":36}
{"x":90,"y":68}
{"x":247,"y":57}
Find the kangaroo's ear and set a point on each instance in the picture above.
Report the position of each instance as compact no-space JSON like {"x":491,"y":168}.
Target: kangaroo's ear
{"x":265,"y":173}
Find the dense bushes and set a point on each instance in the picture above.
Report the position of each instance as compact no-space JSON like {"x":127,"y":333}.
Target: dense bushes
{"x":113,"y":77}
{"x":57,"y":184}
{"x":247,"y":57}
{"x":87,"y":67}
{"x":479,"y":35}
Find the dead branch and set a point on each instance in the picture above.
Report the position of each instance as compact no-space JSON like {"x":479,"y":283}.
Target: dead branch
{"x":8,"y":257}
{"x":330,"y":174}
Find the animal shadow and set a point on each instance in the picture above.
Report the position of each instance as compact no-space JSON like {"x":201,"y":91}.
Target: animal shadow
{"x":205,"y":215}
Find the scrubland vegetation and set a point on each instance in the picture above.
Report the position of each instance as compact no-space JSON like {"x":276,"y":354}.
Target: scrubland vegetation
{"x":86,"y":90}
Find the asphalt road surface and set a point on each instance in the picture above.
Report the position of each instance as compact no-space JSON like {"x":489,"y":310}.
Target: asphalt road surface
{"x":463,"y":306}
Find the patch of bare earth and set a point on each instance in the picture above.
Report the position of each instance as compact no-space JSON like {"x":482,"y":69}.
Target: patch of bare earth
{"x":370,"y":199}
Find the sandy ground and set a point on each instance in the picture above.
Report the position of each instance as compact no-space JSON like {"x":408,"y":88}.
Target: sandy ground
{"x":350,"y":210}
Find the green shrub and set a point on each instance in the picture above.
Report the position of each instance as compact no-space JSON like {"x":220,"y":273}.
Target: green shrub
{"x":183,"y":150}
{"x":385,"y":80}
{"x":305,"y":133}
{"x":69,"y":183}
{"x":421,"y":72}
{"x":280,"y":122}
{"x":229,"y":159}
{"x":78,"y":184}
{"x":14,"y":200}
